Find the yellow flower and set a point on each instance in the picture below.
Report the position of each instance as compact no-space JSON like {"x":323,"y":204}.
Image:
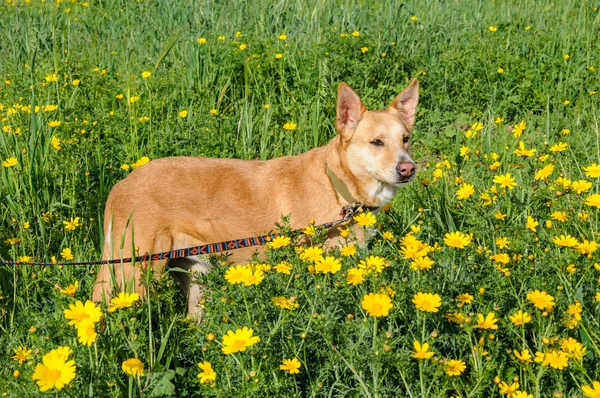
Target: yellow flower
{"x":364,"y":49}
{"x":502,"y":243}
{"x":66,"y":254}
{"x":278,"y":56}
{"x":427,"y":302}
{"x":208,"y":374}
{"x":284,"y":268}
{"x":51,"y":78}
{"x":372,"y":263}
{"x":365,"y":219}
{"x":356,"y":33}
{"x":464,"y":152}
{"x":532,"y":224}
{"x":79,"y":312}
{"x":421,"y":263}
{"x":140,"y":162}
{"x":279,"y":242}
{"x":525,"y":153}
{"x":56,"y":370}
{"x":561,"y":146}
{"x":518,"y":129}
{"x":355,"y":276}
{"x":254,"y":278}
{"x":521,"y":394}
{"x":72,"y":224}
{"x":282,"y":37}
{"x":592,"y":391}
{"x":134,"y":98}
{"x":291,"y":365}
{"x":201,"y":40}
{"x":243,"y":47}
{"x":123,"y":300}
{"x":556,"y":359}
{"x":520,"y":318}
{"x":284,"y":303}
{"x":487,"y":322}
{"x":86,"y":332}
{"x":146,"y":75}
{"x":492,"y":28}
{"x":506,"y":389}
{"x":183,"y":113}
{"x":22,"y":354}
{"x":214,"y":112}
{"x":523,"y":356}
{"x":328,"y":265}
{"x":505,"y":181}
{"x":421,"y":350}
{"x":559,"y":216}
{"x":455,"y":367}
{"x":586,"y":247}
{"x":581,"y":186}
{"x":10,"y":162}
{"x":500,"y":70}
{"x":499,"y":216}
{"x":566,"y":102}
{"x":544,"y":173}
{"x":541,"y":300}
{"x":387,"y":235}
{"x":465,"y":191}
{"x":593,"y":200}
{"x":290,"y":126}
{"x":457,"y":239}
{"x":311,"y":254}
{"x":71,"y":289}
{"x":377,"y":304}
{"x":55,"y":142}
{"x":76,"y":82}
{"x":348,"y":250}
{"x":465,"y":298}
{"x":239,"y":340}
{"x":133,"y":367}
{"x":592,"y":171}
{"x":565,"y":241}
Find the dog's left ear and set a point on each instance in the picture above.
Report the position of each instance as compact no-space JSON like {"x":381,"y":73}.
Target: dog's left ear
{"x":406,"y":103}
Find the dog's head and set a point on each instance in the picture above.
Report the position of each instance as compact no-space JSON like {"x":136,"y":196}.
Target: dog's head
{"x":376,"y":143}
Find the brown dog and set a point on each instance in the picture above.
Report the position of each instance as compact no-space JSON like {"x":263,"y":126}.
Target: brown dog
{"x":174,"y":203}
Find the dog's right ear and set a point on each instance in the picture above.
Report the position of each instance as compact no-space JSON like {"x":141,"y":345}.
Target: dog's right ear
{"x":349,"y":111}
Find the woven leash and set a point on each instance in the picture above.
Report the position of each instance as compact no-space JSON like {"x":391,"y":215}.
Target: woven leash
{"x":210,"y":248}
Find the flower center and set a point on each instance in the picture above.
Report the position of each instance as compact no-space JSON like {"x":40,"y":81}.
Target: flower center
{"x":53,"y":375}
{"x":239,"y":344}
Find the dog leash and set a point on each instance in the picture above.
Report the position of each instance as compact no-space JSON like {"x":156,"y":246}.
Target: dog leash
{"x":210,"y":248}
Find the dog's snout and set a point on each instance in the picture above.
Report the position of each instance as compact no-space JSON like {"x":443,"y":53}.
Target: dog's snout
{"x":406,"y":169}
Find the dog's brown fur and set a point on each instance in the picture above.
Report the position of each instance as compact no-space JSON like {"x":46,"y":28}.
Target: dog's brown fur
{"x":177,"y":202}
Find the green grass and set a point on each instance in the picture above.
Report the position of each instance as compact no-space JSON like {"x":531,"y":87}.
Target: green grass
{"x":449,"y":48}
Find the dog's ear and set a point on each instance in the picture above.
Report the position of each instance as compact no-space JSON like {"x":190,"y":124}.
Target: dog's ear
{"x":406,"y":103}
{"x":349,"y":110}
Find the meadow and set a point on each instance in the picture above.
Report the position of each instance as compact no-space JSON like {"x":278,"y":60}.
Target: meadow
{"x":481,"y":280}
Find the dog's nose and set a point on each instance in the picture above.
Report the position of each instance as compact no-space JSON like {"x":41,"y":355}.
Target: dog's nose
{"x":406,"y":169}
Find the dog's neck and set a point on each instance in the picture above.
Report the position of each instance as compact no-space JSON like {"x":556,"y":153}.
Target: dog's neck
{"x":347,"y":184}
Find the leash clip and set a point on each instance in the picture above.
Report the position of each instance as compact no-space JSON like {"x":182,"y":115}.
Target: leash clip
{"x":351,"y":209}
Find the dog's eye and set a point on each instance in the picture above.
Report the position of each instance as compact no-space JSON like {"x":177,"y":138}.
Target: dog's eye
{"x":405,"y":139}
{"x":376,"y":143}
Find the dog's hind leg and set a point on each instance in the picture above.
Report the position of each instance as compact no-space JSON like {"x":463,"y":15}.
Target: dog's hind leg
{"x":191,"y":290}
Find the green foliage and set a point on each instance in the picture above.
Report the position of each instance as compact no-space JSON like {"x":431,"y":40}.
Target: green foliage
{"x":78,"y":66}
